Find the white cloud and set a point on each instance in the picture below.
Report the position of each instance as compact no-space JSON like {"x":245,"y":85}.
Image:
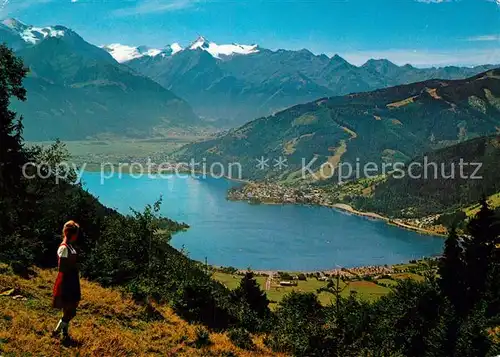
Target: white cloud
{"x":484,"y":38}
{"x":469,"y":57}
{"x":152,"y":6}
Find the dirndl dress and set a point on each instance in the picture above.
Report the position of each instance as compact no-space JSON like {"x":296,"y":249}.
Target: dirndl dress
{"x":66,"y":292}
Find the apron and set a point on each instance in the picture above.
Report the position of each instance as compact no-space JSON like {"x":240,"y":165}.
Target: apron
{"x":66,"y":293}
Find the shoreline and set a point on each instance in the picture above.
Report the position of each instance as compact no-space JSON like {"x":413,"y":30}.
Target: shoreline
{"x":342,"y":207}
{"x":337,"y":206}
{"x":166,"y":172}
{"x":356,"y":271}
{"x":347,"y":208}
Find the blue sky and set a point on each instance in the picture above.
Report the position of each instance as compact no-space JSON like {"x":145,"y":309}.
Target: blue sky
{"x":421,"y":32}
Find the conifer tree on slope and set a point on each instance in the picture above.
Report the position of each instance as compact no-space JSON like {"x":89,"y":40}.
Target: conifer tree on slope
{"x":479,"y":251}
{"x":452,"y":271}
{"x":250,"y":292}
{"x":12,"y":156}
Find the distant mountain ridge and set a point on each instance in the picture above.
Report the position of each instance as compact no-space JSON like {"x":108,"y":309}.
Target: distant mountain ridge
{"x":124,"y":53}
{"x":238,"y":83}
{"x":77,"y":90}
{"x":383,"y":126}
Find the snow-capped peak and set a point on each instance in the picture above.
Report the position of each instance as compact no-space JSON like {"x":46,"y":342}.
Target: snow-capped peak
{"x":222,"y":50}
{"x":32,"y":34}
{"x":175,"y":47}
{"x":200,"y":42}
{"x":124,"y":53}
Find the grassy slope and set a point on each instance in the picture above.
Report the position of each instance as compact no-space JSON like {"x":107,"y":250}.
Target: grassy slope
{"x":107,"y":324}
{"x":493,"y":200}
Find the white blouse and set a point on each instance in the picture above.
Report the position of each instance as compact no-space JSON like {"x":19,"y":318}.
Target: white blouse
{"x":63,"y":251}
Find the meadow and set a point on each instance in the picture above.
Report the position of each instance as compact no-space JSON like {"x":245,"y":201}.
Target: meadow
{"x":369,"y":289}
{"x":94,"y":152}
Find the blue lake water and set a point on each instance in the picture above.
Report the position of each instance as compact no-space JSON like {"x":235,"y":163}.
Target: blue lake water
{"x":275,"y":237}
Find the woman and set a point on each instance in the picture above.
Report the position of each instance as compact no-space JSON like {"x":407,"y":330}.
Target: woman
{"x":67,"y":286}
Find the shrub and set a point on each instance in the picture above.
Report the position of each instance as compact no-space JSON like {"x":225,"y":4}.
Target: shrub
{"x":202,"y":338}
{"x":241,"y":338}
{"x":298,"y":326}
{"x":285,"y":276}
{"x":228,"y":354}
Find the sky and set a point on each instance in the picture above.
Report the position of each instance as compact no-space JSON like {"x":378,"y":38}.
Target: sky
{"x":421,"y":32}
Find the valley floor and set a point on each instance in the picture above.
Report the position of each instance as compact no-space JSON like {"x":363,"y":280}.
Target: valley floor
{"x":368,"y":283}
{"x":107,"y":324}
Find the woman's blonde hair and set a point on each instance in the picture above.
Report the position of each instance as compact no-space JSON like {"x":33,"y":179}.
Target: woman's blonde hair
{"x":70,"y":229}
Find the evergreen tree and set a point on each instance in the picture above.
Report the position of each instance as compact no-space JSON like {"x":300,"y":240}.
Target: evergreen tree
{"x":12,"y":157}
{"x":473,"y":339}
{"x":250,"y":292}
{"x":298,"y":326}
{"x":452,"y":271}
{"x":479,"y":251}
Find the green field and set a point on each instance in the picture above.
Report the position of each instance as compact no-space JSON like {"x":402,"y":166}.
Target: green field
{"x":123,"y":150}
{"x":366,"y":290}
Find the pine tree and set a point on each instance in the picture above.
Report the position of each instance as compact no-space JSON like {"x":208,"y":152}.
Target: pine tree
{"x":473,"y":339}
{"x":12,"y":158}
{"x":479,"y":250}
{"x":249,"y":291}
{"x":12,"y":155}
{"x":451,"y":272}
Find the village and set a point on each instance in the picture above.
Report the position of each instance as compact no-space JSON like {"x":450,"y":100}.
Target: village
{"x":274,"y":193}
{"x":369,"y":282}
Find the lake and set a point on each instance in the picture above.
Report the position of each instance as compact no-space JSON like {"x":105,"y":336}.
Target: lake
{"x":263,"y":237}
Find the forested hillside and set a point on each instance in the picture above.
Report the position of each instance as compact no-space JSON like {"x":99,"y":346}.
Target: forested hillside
{"x":443,"y":185}
{"x":388,"y":125}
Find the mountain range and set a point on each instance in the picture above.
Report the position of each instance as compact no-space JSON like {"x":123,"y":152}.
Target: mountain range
{"x":388,"y":125}
{"x":237,"y":83}
{"x":76,"y":90}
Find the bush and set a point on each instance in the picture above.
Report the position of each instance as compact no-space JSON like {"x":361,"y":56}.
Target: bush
{"x":200,"y":300}
{"x":241,"y":338}
{"x":285,"y":276}
{"x":202,"y":338}
{"x":228,"y":354}
{"x":228,"y":270}
{"x":298,"y":327}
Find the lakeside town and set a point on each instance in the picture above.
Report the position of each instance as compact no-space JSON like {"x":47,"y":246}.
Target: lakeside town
{"x":274,"y":193}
